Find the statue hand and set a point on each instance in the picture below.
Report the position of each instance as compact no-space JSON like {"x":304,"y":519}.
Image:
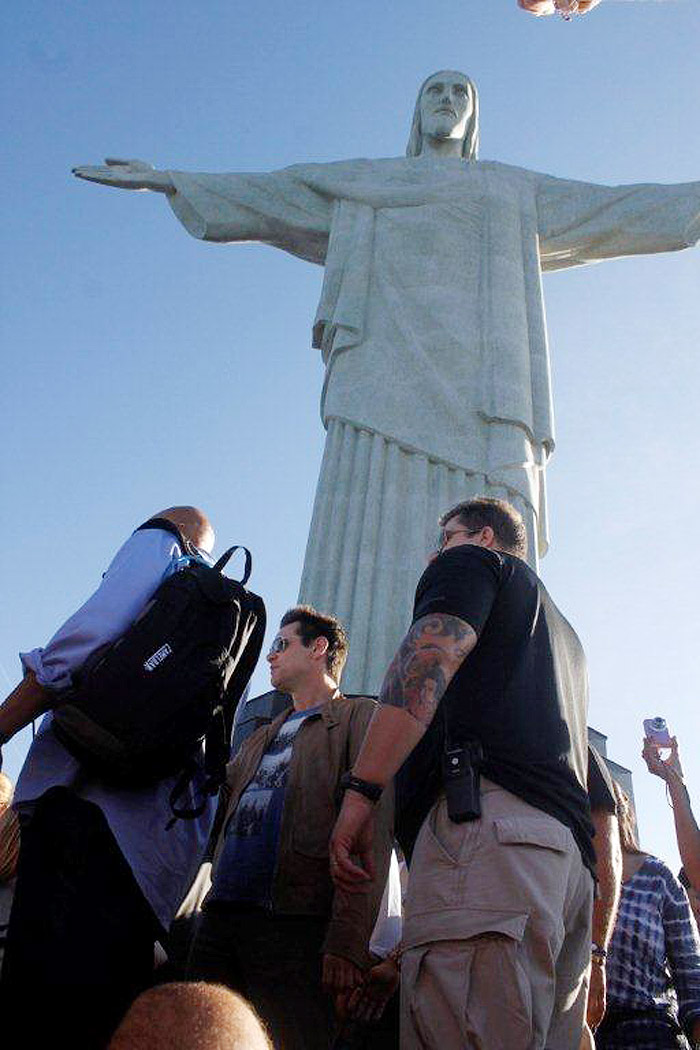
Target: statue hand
{"x":126,"y":175}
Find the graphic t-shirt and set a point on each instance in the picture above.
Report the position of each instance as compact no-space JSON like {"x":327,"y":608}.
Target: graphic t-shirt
{"x":523,"y":690}
{"x":246,"y":868}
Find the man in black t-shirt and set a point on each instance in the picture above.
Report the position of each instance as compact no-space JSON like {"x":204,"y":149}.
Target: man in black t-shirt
{"x":496,"y":940}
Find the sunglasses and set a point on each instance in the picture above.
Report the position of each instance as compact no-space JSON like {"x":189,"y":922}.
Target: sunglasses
{"x":278,"y":646}
{"x":445,"y":537}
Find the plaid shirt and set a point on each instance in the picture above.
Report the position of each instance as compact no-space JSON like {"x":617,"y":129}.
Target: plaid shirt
{"x":655,"y":948}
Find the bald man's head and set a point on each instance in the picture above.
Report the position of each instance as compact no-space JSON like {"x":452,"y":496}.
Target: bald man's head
{"x":193,"y":524}
{"x":181,"y":1016}
{"x":6,"y":791}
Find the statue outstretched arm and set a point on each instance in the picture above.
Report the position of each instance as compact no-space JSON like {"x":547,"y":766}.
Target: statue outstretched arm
{"x":581,"y":222}
{"x":126,"y":175}
{"x":282,"y":209}
{"x":279,"y":208}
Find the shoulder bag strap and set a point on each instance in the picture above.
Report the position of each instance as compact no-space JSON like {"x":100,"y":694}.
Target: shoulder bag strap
{"x":169,"y":526}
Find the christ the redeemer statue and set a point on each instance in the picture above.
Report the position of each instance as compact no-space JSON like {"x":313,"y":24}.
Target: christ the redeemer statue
{"x":432,"y":330}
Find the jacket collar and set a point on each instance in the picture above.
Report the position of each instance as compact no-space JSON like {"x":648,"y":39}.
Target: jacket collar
{"x":330,"y":714}
{"x":329,"y":711}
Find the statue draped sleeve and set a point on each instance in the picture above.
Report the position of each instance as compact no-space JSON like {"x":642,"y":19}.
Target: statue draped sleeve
{"x":302,"y":211}
{"x":580,"y":222}
{"x":279,"y":209}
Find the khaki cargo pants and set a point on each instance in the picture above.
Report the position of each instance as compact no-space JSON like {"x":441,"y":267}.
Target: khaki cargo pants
{"x":497,"y":932}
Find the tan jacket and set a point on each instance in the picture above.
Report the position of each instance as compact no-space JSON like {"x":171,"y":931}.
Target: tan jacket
{"x":324,"y":748}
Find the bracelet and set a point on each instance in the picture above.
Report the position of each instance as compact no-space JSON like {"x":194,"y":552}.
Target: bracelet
{"x":598,"y":954}
{"x":349,"y":782}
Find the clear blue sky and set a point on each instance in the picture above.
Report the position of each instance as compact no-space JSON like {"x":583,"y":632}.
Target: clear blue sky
{"x":143,"y":368}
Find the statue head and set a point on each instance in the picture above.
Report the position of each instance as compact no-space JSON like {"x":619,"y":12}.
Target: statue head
{"x":447,"y":107}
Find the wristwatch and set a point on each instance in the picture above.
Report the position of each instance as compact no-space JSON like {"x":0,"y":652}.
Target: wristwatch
{"x":373,"y":792}
{"x":598,"y":954}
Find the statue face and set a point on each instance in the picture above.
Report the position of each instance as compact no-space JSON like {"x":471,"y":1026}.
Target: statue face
{"x":445,"y":106}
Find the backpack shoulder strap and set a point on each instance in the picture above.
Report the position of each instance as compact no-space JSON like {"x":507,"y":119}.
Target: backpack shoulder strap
{"x":219,"y":566}
{"x":168,"y":526}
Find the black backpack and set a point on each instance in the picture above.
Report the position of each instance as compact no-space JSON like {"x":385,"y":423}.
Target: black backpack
{"x":140,"y":707}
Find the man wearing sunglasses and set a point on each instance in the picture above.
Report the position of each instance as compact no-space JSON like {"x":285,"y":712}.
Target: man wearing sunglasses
{"x":100,"y":874}
{"x":484,"y":706}
{"x":272,"y":926}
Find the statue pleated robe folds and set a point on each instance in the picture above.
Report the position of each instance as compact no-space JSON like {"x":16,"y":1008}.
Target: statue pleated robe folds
{"x":431,"y":325}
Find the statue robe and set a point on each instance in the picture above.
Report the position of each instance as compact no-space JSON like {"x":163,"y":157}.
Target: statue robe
{"x":431,"y":325}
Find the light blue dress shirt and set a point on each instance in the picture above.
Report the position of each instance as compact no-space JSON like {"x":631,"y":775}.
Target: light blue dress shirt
{"x":163,"y":861}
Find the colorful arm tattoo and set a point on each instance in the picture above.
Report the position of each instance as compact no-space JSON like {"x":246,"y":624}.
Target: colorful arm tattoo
{"x":426,"y":663}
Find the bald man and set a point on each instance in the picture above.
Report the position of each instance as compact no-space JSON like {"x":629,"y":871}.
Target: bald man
{"x":100,"y":872}
{"x":182,"y":1016}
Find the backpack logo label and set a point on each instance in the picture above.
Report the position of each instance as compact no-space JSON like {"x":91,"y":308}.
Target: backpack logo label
{"x":157,"y":658}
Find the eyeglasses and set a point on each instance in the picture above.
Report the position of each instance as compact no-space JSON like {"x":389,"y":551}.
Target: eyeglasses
{"x":279,"y":645}
{"x":445,"y":537}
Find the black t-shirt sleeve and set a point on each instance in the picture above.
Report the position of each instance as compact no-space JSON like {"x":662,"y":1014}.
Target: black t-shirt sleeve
{"x":462,"y":582}
{"x":600,"y":788}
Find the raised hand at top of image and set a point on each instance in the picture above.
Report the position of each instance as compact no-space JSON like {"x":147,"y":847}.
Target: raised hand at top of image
{"x":670,"y":770}
{"x":566,"y":8}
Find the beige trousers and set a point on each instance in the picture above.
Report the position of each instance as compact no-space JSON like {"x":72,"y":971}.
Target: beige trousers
{"x":497,"y":932}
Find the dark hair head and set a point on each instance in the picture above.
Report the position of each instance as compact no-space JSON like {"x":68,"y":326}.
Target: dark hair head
{"x":313,"y":625}
{"x":507,"y":523}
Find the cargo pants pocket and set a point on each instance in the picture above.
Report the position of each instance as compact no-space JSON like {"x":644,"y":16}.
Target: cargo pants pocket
{"x":459,"y":995}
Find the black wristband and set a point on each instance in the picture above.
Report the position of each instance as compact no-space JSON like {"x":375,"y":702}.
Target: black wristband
{"x":373,"y":792}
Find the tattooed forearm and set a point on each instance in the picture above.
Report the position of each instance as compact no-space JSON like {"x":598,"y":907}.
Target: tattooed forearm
{"x":425,"y":664}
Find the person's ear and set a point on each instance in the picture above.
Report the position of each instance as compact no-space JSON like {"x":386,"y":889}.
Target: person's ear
{"x":488,"y":537}
{"x":320,"y":646}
